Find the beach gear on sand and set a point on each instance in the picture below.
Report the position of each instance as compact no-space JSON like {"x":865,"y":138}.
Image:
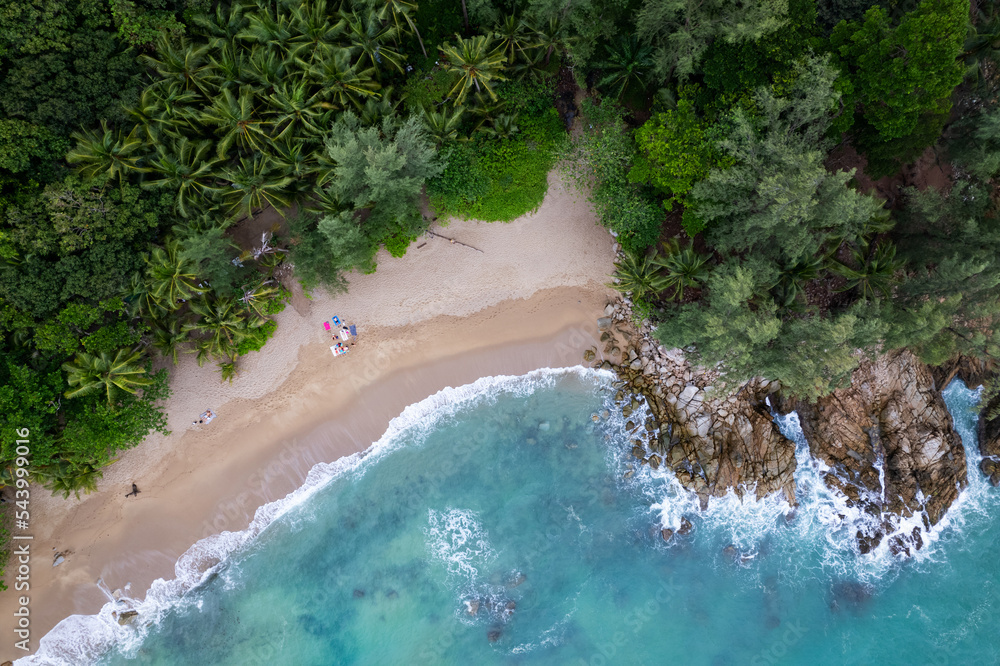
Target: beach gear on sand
{"x":338,"y":350}
{"x":354,"y":330}
{"x":326,"y":325}
{"x":345,"y":335}
{"x":336,"y":321}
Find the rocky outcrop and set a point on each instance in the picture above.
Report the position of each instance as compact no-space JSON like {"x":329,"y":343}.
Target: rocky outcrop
{"x":888,"y":439}
{"x":891,"y":446}
{"x":974,"y":372}
{"x":714,"y":443}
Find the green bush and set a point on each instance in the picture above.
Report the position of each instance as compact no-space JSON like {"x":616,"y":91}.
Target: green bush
{"x":397,"y":244}
{"x":257,"y":338}
{"x":494,"y":179}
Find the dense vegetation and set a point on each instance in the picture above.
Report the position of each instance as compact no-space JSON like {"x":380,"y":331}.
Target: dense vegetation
{"x":139,"y":138}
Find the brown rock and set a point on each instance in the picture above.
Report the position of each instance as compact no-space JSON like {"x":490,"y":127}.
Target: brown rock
{"x":685,"y":527}
{"x":667,"y":534}
{"x":891,"y":417}
{"x":127,"y":617}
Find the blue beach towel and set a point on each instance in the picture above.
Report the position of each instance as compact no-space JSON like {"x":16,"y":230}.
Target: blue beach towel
{"x":354,"y":330}
{"x":336,"y":320}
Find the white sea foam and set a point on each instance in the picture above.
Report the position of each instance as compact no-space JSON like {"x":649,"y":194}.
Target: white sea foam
{"x":822,"y":521}
{"x":457,"y":539}
{"x":83,"y":639}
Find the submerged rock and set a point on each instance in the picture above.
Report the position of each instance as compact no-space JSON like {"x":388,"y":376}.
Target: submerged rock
{"x":472,"y":606}
{"x":127,"y":617}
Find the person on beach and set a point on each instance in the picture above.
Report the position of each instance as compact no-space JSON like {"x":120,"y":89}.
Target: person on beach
{"x":135,"y":491}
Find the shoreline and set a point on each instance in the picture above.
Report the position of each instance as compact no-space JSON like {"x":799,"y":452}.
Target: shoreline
{"x":295,"y":405}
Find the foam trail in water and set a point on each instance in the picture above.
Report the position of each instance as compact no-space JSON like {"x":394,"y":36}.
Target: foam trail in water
{"x":82,"y":639}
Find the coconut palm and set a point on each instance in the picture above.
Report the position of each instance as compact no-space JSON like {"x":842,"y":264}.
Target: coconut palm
{"x":297,"y":112}
{"x":224,"y":24}
{"x":485,"y":109}
{"x":162,"y":110}
{"x":401,"y":14}
{"x":475,"y":63}
{"x":875,"y":272}
{"x":548,"y":36}
{"x":369,"y":39}
{"x":514,"y":36}
{"x":220,"y":328}
{"x":140,"y":300}
{"x":627,"y":66}
{"x":171,"y":277}
{"x":270,"y":27}
{"x":64,"y":477}
{"x":188,"y":168}
{"x":236,"y":121}
{"x":378,"y":107}
{"x":107,"y":153}
{"x":182,"y":62}
{"x":168,"y":336}
{"x":443,"y":127}
{"x":227,"y":370}
{"x":637,"y":275}
{"x":314,"y":35}
{"x":255,"y":183}
{"x":790,"y":287}
{"x":89,"y":374}
{"x":229,"y":67}
{"x":267,"y":68}
{"x":681,"y":268}
{"x":343,"y":83}
{"x":256,"y":296}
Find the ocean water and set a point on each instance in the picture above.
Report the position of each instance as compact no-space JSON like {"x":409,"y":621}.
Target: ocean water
{"x":492,"y":525}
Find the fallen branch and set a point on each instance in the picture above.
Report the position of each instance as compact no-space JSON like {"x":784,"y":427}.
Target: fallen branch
{"x":453,"y":241}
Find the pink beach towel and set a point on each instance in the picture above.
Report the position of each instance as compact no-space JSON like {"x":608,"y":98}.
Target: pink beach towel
{"x":326,"y":325}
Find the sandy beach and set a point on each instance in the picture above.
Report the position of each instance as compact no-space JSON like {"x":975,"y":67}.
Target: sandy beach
{"x":443,"y":315}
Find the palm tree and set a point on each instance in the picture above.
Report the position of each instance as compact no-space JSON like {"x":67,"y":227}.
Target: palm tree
{"x":182,"y":62}
{"x":65,"y":477}
{"x":102,"y":373}
{"x":875,"y":274}
{"x":504,"y":127}
{"x":476,"y":65}
{"x":484,"y":108}
{"x":255,"y":183}
{"x":637,"y":274}
{"x":140,"y":300}
{"x":513,"y":34}
{"x":369,"y":38}
{"x":265,"y":27}
{"x":296,"y":112}
{"x":628,"y":64}
{"x":442,"y":127}
{"x":168,"y":336}
{"x":790,"y":287}
{"x":256,"y":296}
{"x":267,"y":68}
{"x":221,"y":327}
{"x":400,"y":9}
{"x":236,"y":120}
{"x":171,"y":277}
{"x":224,"y":25}
{"x":228,"y":371}
{"x":548,"y":36}
{"x":378,"y":107}
{"x":343,"y":83}
{"x":108,"y":152}
{"x":681,"y":268}
{"x":314,"y":35}
{"x":186,"y":167}
{"x":229,"y":68}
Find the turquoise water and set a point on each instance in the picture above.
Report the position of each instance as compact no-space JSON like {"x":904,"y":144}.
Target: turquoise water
{"x":508,"y":495}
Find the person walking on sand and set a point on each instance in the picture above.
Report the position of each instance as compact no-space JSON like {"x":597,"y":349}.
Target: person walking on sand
{"x":135,"y":491}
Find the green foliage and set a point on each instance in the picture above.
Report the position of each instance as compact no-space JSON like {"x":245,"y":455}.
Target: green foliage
{"x":679,"y":151}
{"x":600,"y":160}
{"x":493,"y":178}
{"x":426,"y":91}
{"x":627,"y":66}
{"x":139,"y":26}
{"x":777,"y":199}
{"x":256,"y":338}
{"x":637,"y":275}
{"x":681,"y":31}
{"x":681,"y":268}
{"x":903,"y":75}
